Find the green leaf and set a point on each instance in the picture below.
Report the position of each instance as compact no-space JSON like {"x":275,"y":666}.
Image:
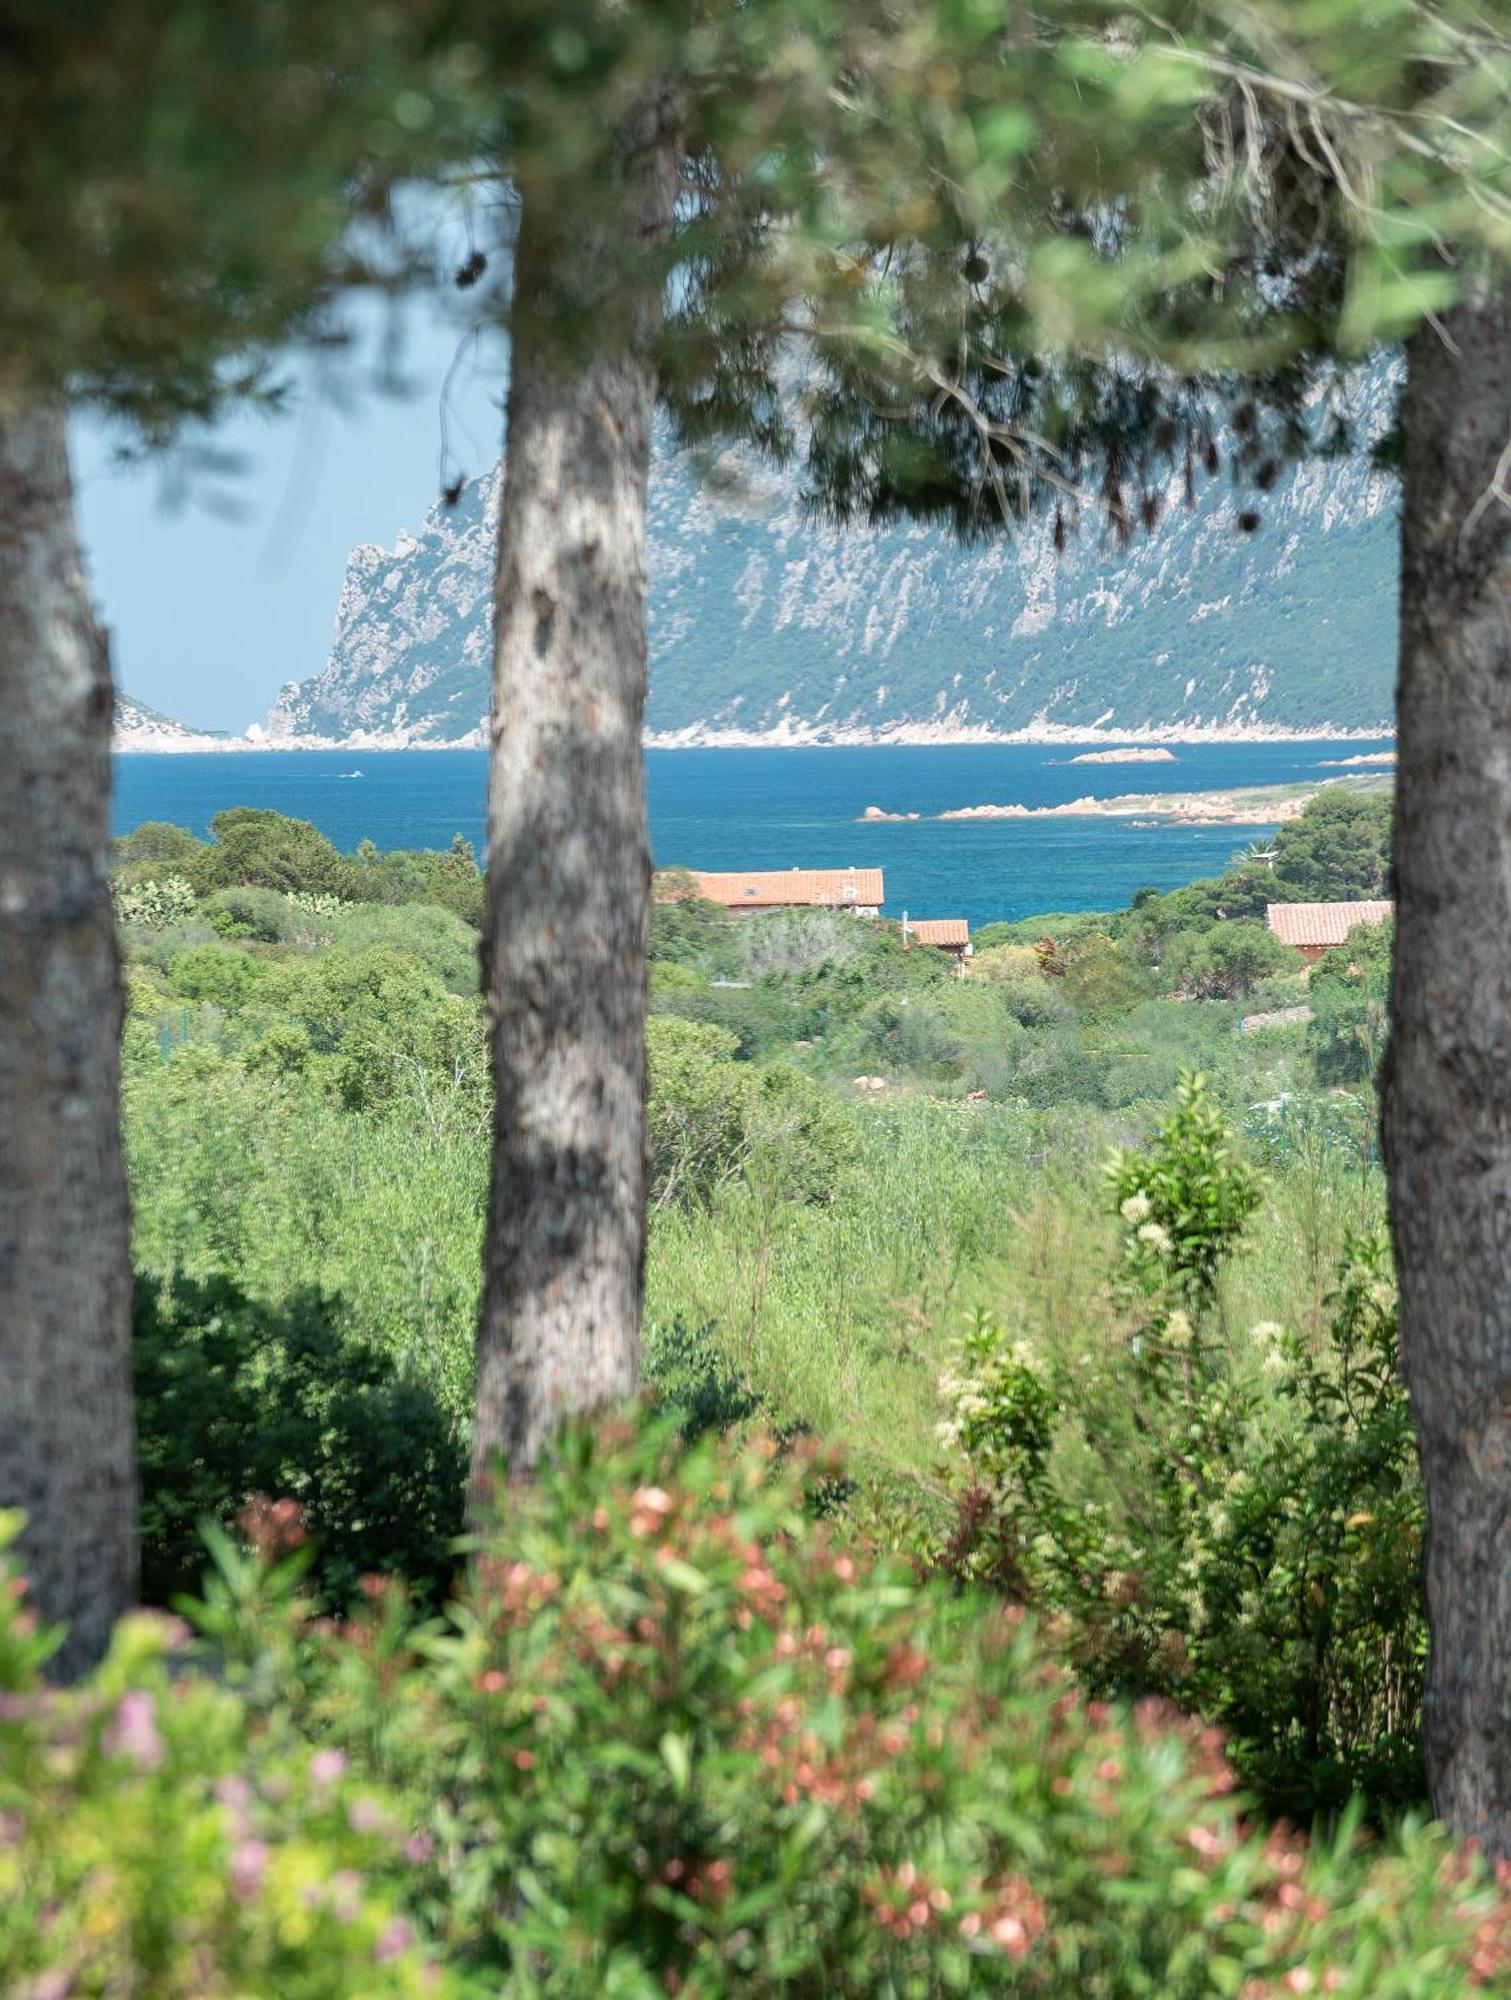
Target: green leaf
{"x":678,"y":1761}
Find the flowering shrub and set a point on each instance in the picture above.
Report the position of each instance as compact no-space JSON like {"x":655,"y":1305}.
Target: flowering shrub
{"x":154,"y":1840}
{"x":154,"y":904}
{"x":1251,"y":1544}
{"x":678,"y":1739}
{"x":1183,"y":1203}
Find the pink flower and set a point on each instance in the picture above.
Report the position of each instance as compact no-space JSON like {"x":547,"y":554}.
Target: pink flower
{"x":235,"y":1794}
{"x":133,"y":1734}
{"x":249,"y":1863}
{"x":649,"y":1507}
{"x":362,"y":1816}
{"x":55,"y":1985}
{"x":346,"y":1895}
{"x":326,"y":1766}
{"x":396,"y":1937}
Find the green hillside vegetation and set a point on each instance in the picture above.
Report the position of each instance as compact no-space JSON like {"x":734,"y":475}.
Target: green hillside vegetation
{"x":1293,"y":625}
{"x":1322,"y":626}
{"x":873,"y":1182}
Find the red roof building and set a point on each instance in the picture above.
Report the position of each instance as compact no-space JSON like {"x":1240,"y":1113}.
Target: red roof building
{"x":856,"y":889}
{"x":1313,"y":928}
{"x":948,"y":934}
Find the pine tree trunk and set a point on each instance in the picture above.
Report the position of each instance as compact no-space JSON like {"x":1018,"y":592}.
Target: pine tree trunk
{"x":67,"y":1443}
{"x":1448,"y":1085}
{"x":568,"y":854}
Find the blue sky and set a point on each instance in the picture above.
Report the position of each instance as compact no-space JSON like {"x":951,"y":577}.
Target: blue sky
{"x":209,"y":616}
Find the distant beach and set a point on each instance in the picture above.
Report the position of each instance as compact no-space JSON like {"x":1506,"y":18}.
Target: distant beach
{"x":1144,"y":745}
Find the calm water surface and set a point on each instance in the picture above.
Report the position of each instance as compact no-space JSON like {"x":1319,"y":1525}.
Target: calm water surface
{"x":783,"y":808}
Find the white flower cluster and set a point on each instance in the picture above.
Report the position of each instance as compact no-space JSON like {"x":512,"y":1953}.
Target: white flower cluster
{"x":1137,"y":1208}
{"x":1178,"y":1330}
{"x":974,"y":1391}
{"x":1269,"y":1336}
{"x":1156,"y":1236}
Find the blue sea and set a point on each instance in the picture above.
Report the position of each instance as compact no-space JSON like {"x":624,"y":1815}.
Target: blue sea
{"x":785,"y":808}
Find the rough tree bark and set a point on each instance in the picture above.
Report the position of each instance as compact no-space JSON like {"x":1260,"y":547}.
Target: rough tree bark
{"x":67,"y":1442}
{"x":1447,"y":1117}
{"x":568,"y":854}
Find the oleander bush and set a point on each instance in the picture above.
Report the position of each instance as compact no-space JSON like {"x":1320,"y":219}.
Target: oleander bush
{"x":159,"y":1837}
{"x":678,"y":1737}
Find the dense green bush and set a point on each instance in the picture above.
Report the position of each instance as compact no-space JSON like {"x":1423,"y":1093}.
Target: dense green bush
{"x":1226,"y":962}
{"x":236,"y":1398}
{"x":1349,"y":994}
{"x":260,"y":916}
{"x":155,"y":844}
{"x":691,"y":1380}
{"x":157,"y":1838}
{"x":713,"y":1119}
{"x":1338,"y":850}
{"x":450,"y":879}
{"x":1234,"y":1523}
{"x":213,"y":973}
{"x":436,"y":937}
{"x":255,"y":848}
{"x":381,"y":1024}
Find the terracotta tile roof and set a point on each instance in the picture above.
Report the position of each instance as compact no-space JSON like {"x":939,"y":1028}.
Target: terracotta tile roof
{"x":1303,"y":924}
{"x":940,"y":930}
{"x":804,"y":888}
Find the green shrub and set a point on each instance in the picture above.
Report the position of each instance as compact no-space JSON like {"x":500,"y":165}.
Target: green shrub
{"x":450,"y":878}
{"x":437,"y":938}
{"x":1338,"y":850}
{"x":1237,"y":1525}
{"x":213,"y":973}
{"x":713,"y":1120}
{"x":383,"y":1026}
{"x":256,"y":848}
{"x":667,"y":977}
{"x":677,"y":1738}
{"x":236,"y":1397}
{"x":1007,"y":964}
{"x":687,"y":931}
{"x":691,"y":1379}
{"x":1349,"y":994}
{"x":1226,"y":962}
{"x":262,"y":916}
{"x":154,"y":843}
{"x":697,"y":1109}
{"x":1183,"y":1202}
{"x":1097,"y":975}
{"x":157,"y":1838}
{"x":910,"y":1035}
